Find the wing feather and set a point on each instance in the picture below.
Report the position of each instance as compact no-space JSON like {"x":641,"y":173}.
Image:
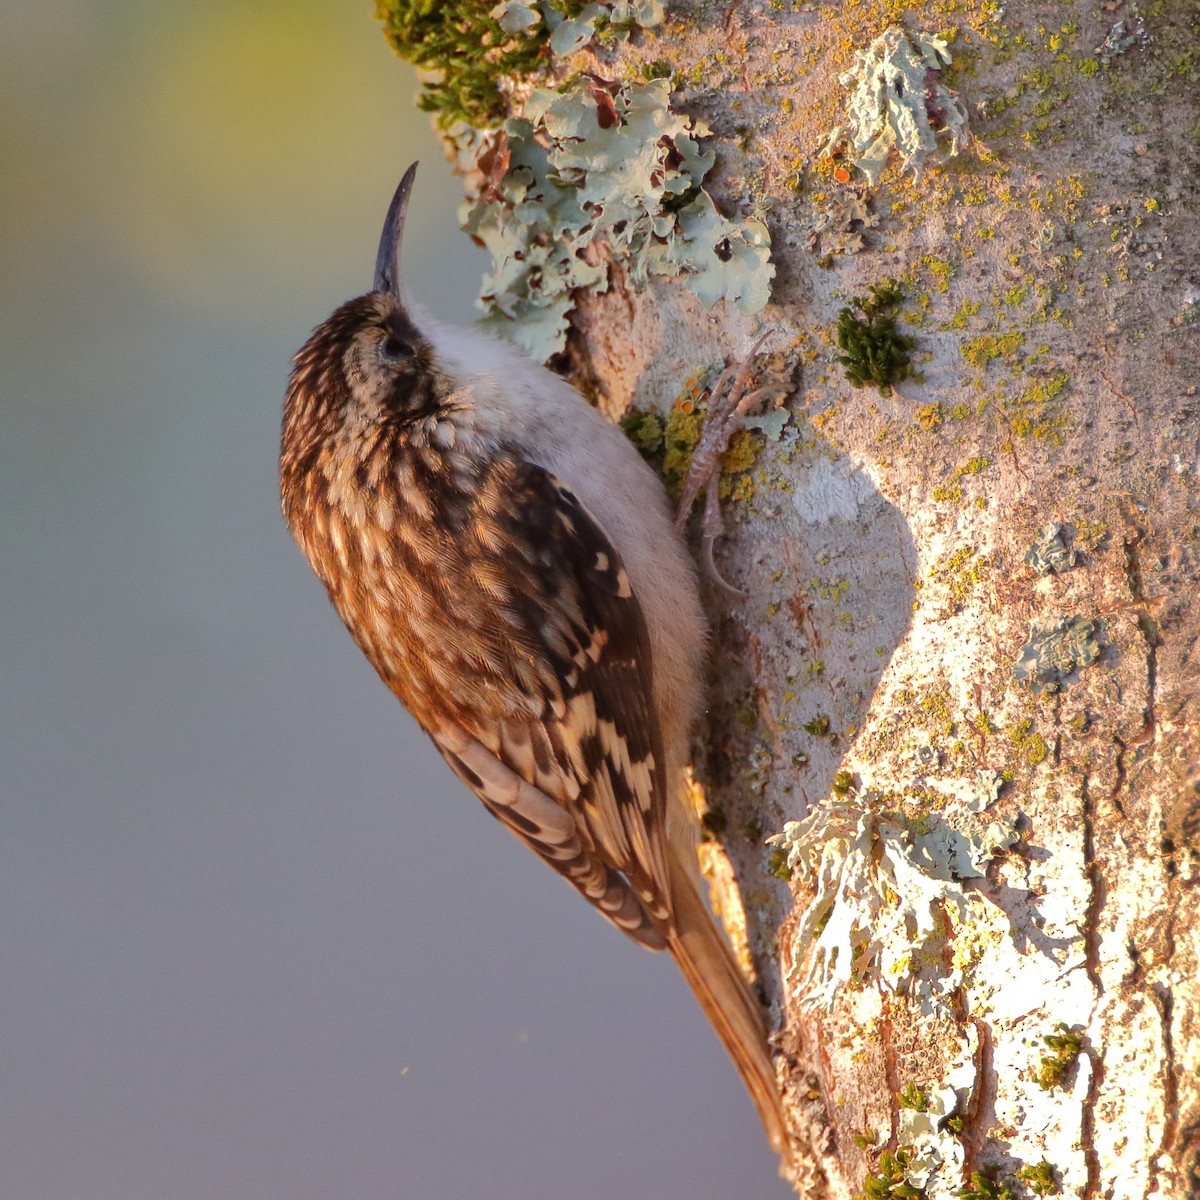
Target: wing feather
{"x":575,"y":770}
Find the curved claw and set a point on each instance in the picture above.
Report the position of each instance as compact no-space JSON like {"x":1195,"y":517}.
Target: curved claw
{"x":714,"y":526}
{"x":725,"y":417}
{"x":710,"y":569}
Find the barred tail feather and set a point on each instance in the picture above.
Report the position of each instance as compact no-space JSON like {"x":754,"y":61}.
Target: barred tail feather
{"x":712,"y":973}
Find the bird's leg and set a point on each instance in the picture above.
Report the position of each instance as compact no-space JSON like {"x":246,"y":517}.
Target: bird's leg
{"x":725,"y":416}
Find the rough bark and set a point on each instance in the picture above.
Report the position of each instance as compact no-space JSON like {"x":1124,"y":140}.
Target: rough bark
{"x":1052,"y":283}
{"x":883,"y":552}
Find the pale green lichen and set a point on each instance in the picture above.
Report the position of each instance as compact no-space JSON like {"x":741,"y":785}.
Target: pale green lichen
{"x":1122,"y":37}
{"x":1054,"y":652}
{"x":880,"y":897}
{"x":1049,"y":554}
{"x":596,"y":20}
{"x":927,"y":1130}
{"x":899,"y":104}
{"x":614,"y":164}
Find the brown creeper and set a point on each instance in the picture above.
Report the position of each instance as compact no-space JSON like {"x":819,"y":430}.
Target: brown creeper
{"x":506,"y":561}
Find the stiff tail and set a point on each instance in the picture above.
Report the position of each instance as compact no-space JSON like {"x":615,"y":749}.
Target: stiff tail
{"x":712,"y":973}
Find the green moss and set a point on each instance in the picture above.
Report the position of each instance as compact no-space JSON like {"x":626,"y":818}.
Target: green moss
{"x":474,"y":45}
{"x":983,"y":1188}
{"x":658,"y":69}
{"x":777,"y":864}
{"x":843,"y":783}
{"x":936,"y":708}
{"x":742,"y":451}
{"x":914,"y":1097}
{"x":1041,"y":1179}
{"x":941,"y":493}
{"x":888,"y":1181}
{"x":1036,"y":411}
{"x":462,"y":41}
{"x":818,"y":726}
{"x":1036,"y":750}
{"x":873,"y":350}
{"x":1090,"y":535}
{"x":1065,"y":1047}
{"x":983,"y":724}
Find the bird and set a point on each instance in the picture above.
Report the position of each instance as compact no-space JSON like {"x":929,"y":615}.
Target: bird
{"x":507,"y":562}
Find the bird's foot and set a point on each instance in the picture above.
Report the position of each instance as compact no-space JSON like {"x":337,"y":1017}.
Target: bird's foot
{"x":725,"y":416}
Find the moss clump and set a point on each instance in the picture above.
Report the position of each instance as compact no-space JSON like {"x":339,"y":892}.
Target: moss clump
{"x":681,"y":436}
{"x":462,"y":41}
{"x":1065,"y":1047}
{"x":873,"y":350}
{"x":777,"y":864}
{"x":914,"y":1097}
{"x":1040,"y":1179}
{"x":888,"y":1181}
{"x":983,"y":1188}
{"x":668,"y":444}
{"x":478,"y":48}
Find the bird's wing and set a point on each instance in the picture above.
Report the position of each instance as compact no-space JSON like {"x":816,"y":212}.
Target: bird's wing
{"x":564,"y":746}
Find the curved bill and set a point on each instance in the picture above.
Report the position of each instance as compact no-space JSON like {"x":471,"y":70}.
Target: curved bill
{"x":387,"y":261}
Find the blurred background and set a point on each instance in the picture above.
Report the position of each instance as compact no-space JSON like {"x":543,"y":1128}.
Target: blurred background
{"x":256,"y":941}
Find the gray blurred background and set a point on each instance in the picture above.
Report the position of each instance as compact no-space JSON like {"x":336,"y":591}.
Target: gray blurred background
{"x":256,"y":941}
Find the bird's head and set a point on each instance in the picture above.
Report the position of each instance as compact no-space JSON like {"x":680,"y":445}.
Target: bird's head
{"x":367,"y":366}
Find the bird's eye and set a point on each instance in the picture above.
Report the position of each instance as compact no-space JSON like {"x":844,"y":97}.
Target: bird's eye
{"x":394,"y":347}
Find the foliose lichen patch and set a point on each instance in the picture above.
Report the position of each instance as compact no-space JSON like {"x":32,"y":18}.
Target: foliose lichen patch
{"x":596,"y":170}
{"x":1054,"y":652}
{"x":881,"y":889}
{"x":899,"y":104}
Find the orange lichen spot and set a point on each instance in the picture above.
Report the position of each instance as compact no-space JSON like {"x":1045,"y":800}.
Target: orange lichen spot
{"x":691,"y":395}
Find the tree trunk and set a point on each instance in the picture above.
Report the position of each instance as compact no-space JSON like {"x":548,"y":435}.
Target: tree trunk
{"x":961,"y":692}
